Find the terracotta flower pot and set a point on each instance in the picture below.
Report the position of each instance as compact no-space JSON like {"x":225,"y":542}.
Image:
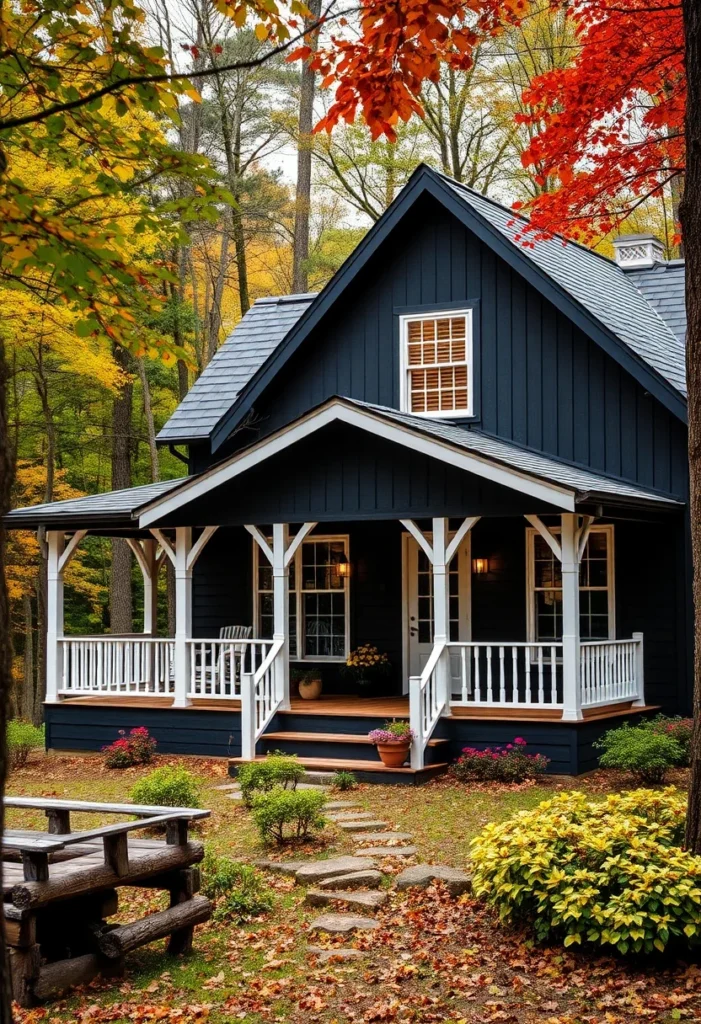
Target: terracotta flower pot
{"x":393,"y":755}
{"x":310,"y":689}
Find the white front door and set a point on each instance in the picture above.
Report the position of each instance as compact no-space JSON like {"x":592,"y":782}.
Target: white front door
{"x":418,"y":607}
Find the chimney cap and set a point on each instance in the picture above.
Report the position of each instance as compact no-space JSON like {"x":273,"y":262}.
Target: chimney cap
{"x":637,"y":252}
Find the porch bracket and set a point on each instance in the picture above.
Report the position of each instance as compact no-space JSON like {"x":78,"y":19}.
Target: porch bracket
{"x":200,"y":544}
{"x":462,"y":531}
{"x":149,"y":563}
{"x":549,"y":538}
{"x":583,"y":535}
{"x":261,"y":542}
{"x":166,"y":547}
{"x":419,"y":537}
{"x":70,"y":549}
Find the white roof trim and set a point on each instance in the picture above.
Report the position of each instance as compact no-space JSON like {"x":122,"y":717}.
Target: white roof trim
{"x":338,"y":411}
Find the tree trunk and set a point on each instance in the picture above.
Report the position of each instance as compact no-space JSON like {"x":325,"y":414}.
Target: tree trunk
{"x":7,"y":469}
{"x":303,"y":198}
{"x":690,"y":214}
{"x":214,"y":318}
{"x":121,"y":615}
{"x":150,"y":425}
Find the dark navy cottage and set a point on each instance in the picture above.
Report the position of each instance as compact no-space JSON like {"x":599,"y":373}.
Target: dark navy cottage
{"x":467,"y":451}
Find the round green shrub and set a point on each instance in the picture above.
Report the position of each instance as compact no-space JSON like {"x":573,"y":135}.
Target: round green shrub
{"x":22,"y":737}
{"x":240,"y":892}
{"x":168,"y":787}
{"x":640,"y":750}
{"x":284,"y":814}
{"x":276,"y":769}
{"x":609,"y":874}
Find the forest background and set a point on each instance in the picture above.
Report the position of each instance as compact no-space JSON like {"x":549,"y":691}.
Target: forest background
{"x":273,"y":209}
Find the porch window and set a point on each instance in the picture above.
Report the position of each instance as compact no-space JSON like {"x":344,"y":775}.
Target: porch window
{"x":318,"y":600}
{"x":437,"y":364}
{"x":596,"y":588}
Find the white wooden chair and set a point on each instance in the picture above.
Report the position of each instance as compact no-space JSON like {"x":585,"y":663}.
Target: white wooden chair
{"x":223,"y":673}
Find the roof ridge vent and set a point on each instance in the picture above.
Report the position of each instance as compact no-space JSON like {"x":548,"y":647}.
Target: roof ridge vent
{"x":637,"y":252}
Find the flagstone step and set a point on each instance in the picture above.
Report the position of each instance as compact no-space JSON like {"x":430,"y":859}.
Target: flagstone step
{"x":422,"y":875}
{"x":341,"y":924}
{"x":341,"y":805}
{"x":368,"y":879}
{"x":345,"y":815}
{"x":387,"y":851}
{"x":386,"y":837}
{"x":359,"y":826}
{"x":369,"y":899}
{"x":317,"y":870}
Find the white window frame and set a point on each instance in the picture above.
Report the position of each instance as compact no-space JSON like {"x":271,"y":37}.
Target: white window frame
{"x":404,"y":368}
{"x":531,"y":533}
{"x":299,"y":591}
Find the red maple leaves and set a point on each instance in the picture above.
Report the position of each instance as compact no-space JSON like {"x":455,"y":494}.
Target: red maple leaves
{"x":609,"y":126}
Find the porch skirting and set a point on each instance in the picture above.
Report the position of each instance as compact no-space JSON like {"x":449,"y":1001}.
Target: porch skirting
{"x":208,"y":730}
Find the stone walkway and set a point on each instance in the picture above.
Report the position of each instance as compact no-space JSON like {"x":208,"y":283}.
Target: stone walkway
{"x":352,"y":887}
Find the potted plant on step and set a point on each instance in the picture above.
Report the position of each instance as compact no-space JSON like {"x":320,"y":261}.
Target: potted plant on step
{"x":309,"y":684}
{"x":392,"y":742}
{"x":365,"y":667}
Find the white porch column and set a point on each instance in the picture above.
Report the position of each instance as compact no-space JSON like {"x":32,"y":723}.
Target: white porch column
{"x":571,"y":691}
{"x":54,"y":615}
{"x":183,"y":614}
{"x":281,"y":610}
{"x":441,"y":607}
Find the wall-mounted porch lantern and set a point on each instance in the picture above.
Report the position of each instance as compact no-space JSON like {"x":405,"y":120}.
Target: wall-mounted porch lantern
{"x":480,"y":566}
{"x":343,"y":569}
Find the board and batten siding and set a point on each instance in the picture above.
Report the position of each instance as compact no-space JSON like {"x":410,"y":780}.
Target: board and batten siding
{"x":541,"y":381}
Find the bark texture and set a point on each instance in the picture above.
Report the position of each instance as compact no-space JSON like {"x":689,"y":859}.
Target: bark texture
{"x":690,"y":214}
{"x":121,"y":617}
{"x":300,"y":254}
{"x":6,"y":478}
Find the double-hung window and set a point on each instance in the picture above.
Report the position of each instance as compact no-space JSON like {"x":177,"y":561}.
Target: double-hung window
{"x":437,"y":366}
{"x":319,"y":622}
{"x":596,"y":588}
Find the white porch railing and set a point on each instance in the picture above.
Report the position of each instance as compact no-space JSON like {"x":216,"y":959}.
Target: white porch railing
{"x":109,"y":664}
{"x":217,"y":666}
{"x":611,"y":671}
{"x":506,"y":675}
{"x":426,"y":702}
{"x":261,"y":695}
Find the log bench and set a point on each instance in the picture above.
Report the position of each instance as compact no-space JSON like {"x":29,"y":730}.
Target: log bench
{"x":60,"y":886}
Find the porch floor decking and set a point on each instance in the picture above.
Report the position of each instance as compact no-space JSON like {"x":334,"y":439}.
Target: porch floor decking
{"x":345,"y":705}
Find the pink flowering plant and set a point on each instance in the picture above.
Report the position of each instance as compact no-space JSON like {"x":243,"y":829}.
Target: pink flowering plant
{"x":393,"y":732}
{"x":135,"y":748}
{"x":509,"y":763}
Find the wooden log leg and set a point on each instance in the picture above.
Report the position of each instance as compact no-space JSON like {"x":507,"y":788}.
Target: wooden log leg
{"x":187,"y":884}
{"x":66,"y":974}
{"x":59,"y":822}
{"x":122,"y":939}
{"x":24,"y":967}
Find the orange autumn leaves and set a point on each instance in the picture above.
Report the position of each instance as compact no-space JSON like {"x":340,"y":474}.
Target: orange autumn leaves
{"x":607,"y":129}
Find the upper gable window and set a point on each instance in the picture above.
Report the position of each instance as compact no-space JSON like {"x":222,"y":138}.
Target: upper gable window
{"x":437,"y":378}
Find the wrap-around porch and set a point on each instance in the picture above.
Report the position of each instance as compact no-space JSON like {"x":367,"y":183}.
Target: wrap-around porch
{"x":504,"y":584}
{"x":444,"y":675}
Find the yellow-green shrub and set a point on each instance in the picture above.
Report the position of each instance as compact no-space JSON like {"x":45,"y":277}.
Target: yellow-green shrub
{"x":610,"y":873}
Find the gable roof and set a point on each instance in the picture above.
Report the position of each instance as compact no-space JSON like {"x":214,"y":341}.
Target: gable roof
{"x":558,"y":483}
{"x":245,"y":350}
{"x":591,"y":290}
{"x":663,"y":286}
{"x":599,"y":285}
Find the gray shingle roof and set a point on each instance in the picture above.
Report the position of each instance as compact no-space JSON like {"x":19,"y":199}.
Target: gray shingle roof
{"x":599,"y":285}
{"x":583,"y":481}
{"x":245,"y":350}
{"x":663,"y":287}
{"x":115,"y":506}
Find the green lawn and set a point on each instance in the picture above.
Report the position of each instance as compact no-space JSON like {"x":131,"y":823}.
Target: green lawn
{"x":433,"y":959}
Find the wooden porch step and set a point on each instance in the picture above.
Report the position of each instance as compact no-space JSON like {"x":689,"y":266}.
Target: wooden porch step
{"x":330,"y":737}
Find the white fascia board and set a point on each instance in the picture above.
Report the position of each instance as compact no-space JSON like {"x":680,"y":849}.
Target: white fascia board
{"x":337,"y":411}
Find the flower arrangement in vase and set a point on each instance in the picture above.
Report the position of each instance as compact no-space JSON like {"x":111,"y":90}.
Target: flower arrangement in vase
{"x":365,"y":665}
{"x":392,"y":742}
